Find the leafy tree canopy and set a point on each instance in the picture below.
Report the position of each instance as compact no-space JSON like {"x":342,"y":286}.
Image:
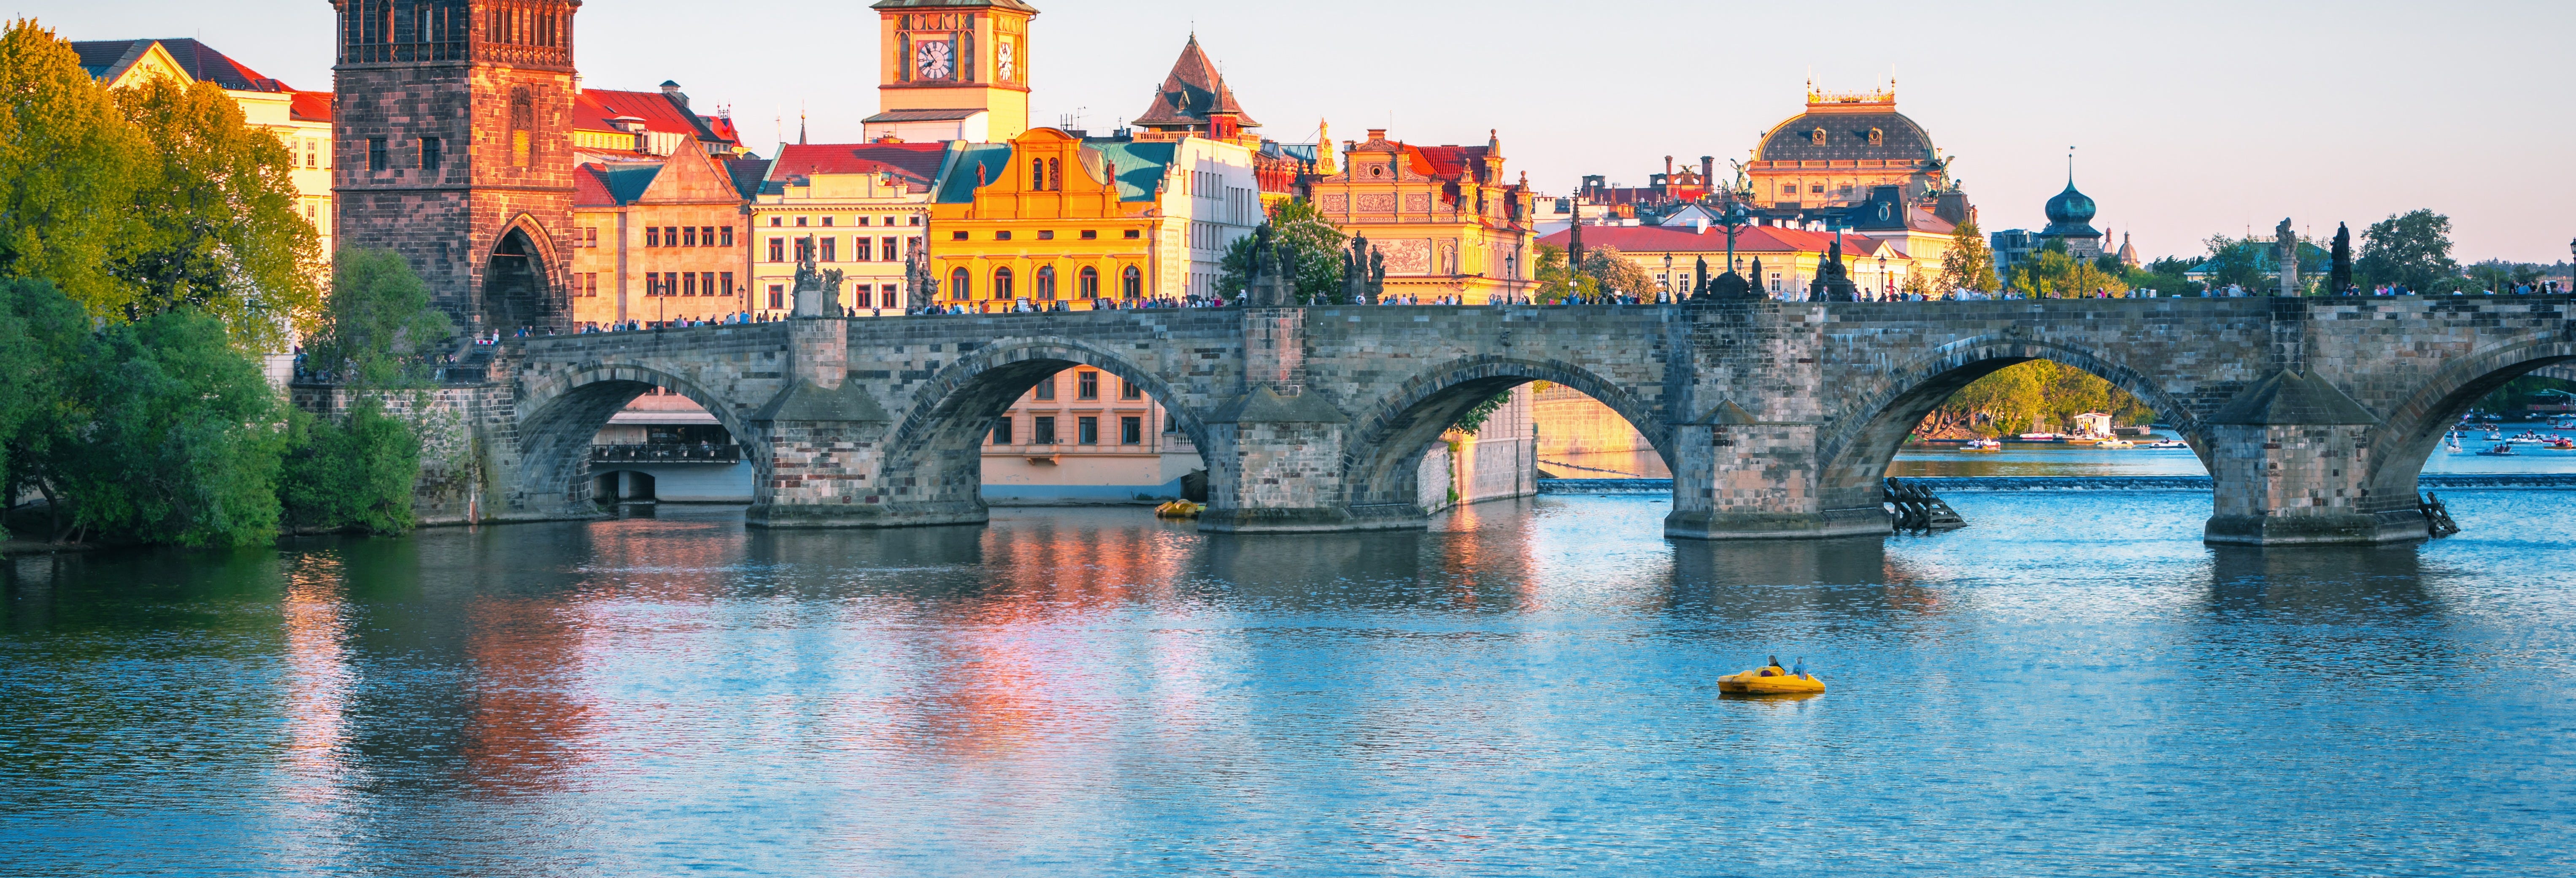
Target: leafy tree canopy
{"x":1318,"y":247}
{"x":1969,"y":264}
{"x":378,"y":329}
{"x":2412,"y":250}
{"x":218,"y":227}
{"x":1615,"y":273}
{"x":1555,"y":281}
{"x":69,"y":167}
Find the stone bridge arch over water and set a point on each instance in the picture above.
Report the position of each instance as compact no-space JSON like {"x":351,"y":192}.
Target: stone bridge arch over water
{"x":1776,"y":418}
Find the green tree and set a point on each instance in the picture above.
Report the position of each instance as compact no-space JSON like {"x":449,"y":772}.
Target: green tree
{"x":1618,"y":274}
{"x":2165,"y":276}
{"x":354,"y":473}
{"x":216,"y":208}
{"x":2053,"y":273}
{"x":1969,"y":264}
{"x":377,"y":330}
{"x":1555,"y":281}
{"x":2412,"y":250}
{"x":1318,"y":247}
{"x":68,"y":163}
{"x":45,"y":342}
{"x":2237,"y":262}
{"x":181,"y":440}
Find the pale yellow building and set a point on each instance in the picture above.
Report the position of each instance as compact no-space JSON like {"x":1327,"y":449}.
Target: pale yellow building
{"x":1842,"y":147}
{"x":861,"y":209}
{"x":1085,"y":436}
{"x":300,"y":119}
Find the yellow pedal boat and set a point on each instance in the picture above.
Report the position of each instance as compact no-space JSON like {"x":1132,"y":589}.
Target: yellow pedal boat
{"x":1769,"y":680}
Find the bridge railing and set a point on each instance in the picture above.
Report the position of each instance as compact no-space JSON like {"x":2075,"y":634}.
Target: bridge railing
{"x":666,"y":453}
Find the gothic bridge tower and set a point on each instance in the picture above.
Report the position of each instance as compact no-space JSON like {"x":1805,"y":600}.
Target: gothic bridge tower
{"x":453,"y":131}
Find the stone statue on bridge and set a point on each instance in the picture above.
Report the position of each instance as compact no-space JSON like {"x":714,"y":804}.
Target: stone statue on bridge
{"x":1363,"y":273}
{"x":1833,"y":280}
{"x":818,"y":293}
{"x":2287,"y":252}
{"x":1274,"y":273}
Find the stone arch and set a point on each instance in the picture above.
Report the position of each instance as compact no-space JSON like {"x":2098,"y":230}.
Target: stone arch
{"x":1389,"y":438}
{"x":933,"y":457}
{"x":554,"y":435}
{"x":519,"y":287}
{"x":1855,"y":450}
{"x":2410,"y":431}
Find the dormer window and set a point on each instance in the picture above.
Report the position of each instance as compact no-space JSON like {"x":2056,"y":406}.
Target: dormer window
{"x":1877,"y":137}
{"x":1818,"y":135}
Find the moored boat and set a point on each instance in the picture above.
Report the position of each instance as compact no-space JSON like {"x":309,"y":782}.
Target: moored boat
{"x":1771,"y":680}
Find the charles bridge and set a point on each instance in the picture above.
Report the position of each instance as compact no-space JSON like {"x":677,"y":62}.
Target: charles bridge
{"x":1777,"y":419}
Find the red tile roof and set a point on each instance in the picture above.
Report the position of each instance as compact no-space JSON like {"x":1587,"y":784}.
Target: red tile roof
{"x":1450,"y":162}
{"x":1191,"y":93}
{"x":596,"y":107}
{"x":310,"y":106}
{"x":917,"y":163}
{"x":1757,"y":239}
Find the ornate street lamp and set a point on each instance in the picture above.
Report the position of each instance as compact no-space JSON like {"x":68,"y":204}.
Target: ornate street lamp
{"x":1667,"y":285}
{"x":1886,"y":290}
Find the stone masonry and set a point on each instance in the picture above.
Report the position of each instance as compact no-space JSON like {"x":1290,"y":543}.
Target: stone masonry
{"x":1777,"y":419}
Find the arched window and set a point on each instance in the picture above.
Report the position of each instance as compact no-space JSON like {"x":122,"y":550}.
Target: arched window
{"x":1819,"y":136}
{"x":1090,"y":282}
{"x":1037,"y":175}
{"x":1046,"y":282}
{"x":1055,"y":176}
{"x":1002,"y":284}
{"x":1131,"y":283}
{"x":960,"y":285}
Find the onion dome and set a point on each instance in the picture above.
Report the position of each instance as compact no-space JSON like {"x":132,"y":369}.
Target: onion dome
{"x":2070,"y":214}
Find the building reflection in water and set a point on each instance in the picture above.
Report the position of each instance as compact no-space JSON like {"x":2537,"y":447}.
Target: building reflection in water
{"x":314,"y":614}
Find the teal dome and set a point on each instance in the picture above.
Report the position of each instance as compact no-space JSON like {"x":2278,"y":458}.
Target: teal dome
{"x":2070,"y":215}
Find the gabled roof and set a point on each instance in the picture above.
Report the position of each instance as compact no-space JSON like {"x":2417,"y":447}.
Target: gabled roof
{"x":1451,"y":162}
{"x":1192,"y":92}
{"x":105,"y":59}
{"x":596,"y":108}
{"x":917,"y":163}
{"x":615,"y":185}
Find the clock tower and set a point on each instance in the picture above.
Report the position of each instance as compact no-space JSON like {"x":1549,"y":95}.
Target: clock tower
{"x":952,"y":70}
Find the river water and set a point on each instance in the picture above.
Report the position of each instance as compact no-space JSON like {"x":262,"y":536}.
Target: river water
{"x":2074,"y":685}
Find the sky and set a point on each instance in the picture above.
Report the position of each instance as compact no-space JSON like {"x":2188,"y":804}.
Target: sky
{"x":2187,"y":118}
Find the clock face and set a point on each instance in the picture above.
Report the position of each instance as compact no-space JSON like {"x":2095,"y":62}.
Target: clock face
{"x":932,"y":61}
{"x":1006,"y":61}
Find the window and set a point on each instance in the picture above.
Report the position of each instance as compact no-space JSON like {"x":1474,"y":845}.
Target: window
{"x":889,"y":249}
{"x":1086,"y":430}
{"x":707,"y":283}
{"x":777,"y":296}
{"x":652,"y":236}
{"x":728,"y":236}
{"x":800,"y":221}
{"x":1091,"y":234}
{"x":431,"y":154}
{"x":1090,"y":282}
{"x":916,"y":219}
{"x":588,"y":282}
{"x":1133,"y":234}
{"x":864,"y":221}
{"x":1131,"y":430}
{"x":688,"y":283}
{"x":1817,"y":189}
{"x":1046,"y":235}
{"x":1046,"y":282}
{"x":831,"y":249}
{"x":375,"y":154}
{"x":1002,"y":430}
{"x":590,"y":237}
{"x":706,"y":236}
{"x":671,"y":236}
{"x":860,"y":250}
{"x":688,"y":236}
{"x":1046,"y":387}
{"x":312,"y":152}
{"x":1128,"y":390}
{"x":827,"y":221}
{"x":1042,"y":430}
{"x":1818,"y":136}
{"x":728,"y":282}
{"x":959,"y":284}
{"x":773,"y":221}
{"x":1002,"y":283}
{"x":777,"y":249}
{"x":1037,"y":175}
{"x":1086,"y":385}
{"x":1001,"y":236}
{"x":1131,"y":283}
{"x":956,"y":236}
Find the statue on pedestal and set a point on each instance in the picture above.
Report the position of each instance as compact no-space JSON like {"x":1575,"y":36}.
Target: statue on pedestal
{"x":1833,"y":280}
{"x":2287,"y":242}
{"x":817,"y":293}
{"x":1274,"y":273}
{"x":2340,"y":276}
{"x":1363,"y":273}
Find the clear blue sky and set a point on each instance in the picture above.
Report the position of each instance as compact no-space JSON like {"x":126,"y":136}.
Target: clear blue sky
{"x":2192,"y":118}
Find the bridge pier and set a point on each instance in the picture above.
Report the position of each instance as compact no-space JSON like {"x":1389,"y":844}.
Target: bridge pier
{"x":1739,"y":479}
{"x":818,"y":446}
{"x":2290,"y":466}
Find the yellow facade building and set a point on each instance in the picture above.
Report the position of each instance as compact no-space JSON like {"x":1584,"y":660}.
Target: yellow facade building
{"x":300,"y":119}
{"x":1450,"y":227}
{"x":659,"y":241}
{"x":861,"y":209}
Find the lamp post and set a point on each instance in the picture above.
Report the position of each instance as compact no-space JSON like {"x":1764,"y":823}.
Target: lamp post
{"x":1885,"y":290}
{"x":1667,"y":286}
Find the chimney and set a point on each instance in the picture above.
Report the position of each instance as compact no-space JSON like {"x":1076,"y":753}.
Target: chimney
{"x":671,"y":90}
